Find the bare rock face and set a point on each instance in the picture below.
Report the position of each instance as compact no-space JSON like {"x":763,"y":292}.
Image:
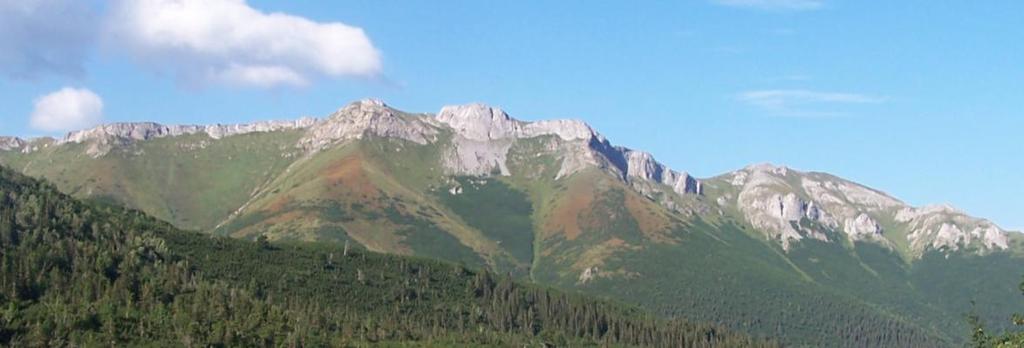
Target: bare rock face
{"x":128,"y":131}
{"x":569,"y":130}
{"x":477,"y":158}
{"x":862,"y":227}
{"x":103,"y":138}
{"x":641,"y":165}
{"x":483,"y":136}
{"x":771,"y":204}
{"x":777,"y":200}
{"x":480,"y":122}
{"x":942,"y":226}
{"x":11,"y":144}
{"x":219,"y":131}
{"x":369,"y":116}
{"x":587,"y":275}
{"x":768,"y":203}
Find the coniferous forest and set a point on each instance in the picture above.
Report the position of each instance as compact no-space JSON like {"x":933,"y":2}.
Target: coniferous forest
{"x":90,"y":274}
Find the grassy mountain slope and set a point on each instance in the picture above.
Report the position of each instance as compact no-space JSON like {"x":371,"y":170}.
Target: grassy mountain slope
{"x":160,"y":176}
{"x":350,"y":193}
{"x":680,"y":255}
{"x":74,"y":273}
{"x":693,"y":269}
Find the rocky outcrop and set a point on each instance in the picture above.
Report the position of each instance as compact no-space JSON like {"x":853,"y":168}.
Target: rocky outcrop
{"x":769,"y":204}
{"x":367,"y":117}
{"x":103,"y":138}
{"x":351,"y":122}
{"x":641,"y":165}
{"x":945,"y":227}
{"x":779,"y":200}
{"x":476,"y":157}
{"x":480,"y":141}
{"x":140,"y":131}
{"x":483,"y":136}
{"x":11,"y":144}
{"x":862,"y":227}
{"x":588,"y":274}
{"x":481,"y":122}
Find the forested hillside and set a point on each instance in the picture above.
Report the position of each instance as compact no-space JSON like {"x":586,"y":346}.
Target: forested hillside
{"x":80,"y":273}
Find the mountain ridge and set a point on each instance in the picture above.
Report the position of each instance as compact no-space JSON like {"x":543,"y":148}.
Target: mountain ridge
{"x":480,"y":148}
{"x":765,"y":249}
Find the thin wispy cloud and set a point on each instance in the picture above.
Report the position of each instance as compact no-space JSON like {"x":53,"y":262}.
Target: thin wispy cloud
{"x":804,"y":103}
{"x":773,"y":5}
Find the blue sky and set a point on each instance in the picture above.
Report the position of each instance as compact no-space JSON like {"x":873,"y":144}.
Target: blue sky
{"x":921,"y":99}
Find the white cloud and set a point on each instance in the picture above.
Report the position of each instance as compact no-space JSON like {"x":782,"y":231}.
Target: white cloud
{"x":67,"y":109}
{"x":228,"y":42}
{"x":774,"y":5}
{"x":261,"y":76}
{"x":45,"y":36}
{"x":794,"y":102}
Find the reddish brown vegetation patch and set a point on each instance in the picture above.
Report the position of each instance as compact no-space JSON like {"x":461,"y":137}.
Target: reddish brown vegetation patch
{"x":279,"y":204}
{"x":653,"y":224}
{"x":566,"y":215}
{"x":596,"y":255}
{"x":348,"y":177}
{"x":284,"y":218}
{"x":615,"y":242}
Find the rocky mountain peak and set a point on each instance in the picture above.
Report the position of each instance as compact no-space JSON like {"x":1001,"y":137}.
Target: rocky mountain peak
{"x":373,"y":102}
{"x":767,"y":168}
{"x":484,"y":136}
{"x":367,"y":116}
{"x":362,"y":107}
{"x":480,"y":122}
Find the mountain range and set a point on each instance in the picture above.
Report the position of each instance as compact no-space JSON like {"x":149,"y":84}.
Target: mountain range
{"x":804,"y":256}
